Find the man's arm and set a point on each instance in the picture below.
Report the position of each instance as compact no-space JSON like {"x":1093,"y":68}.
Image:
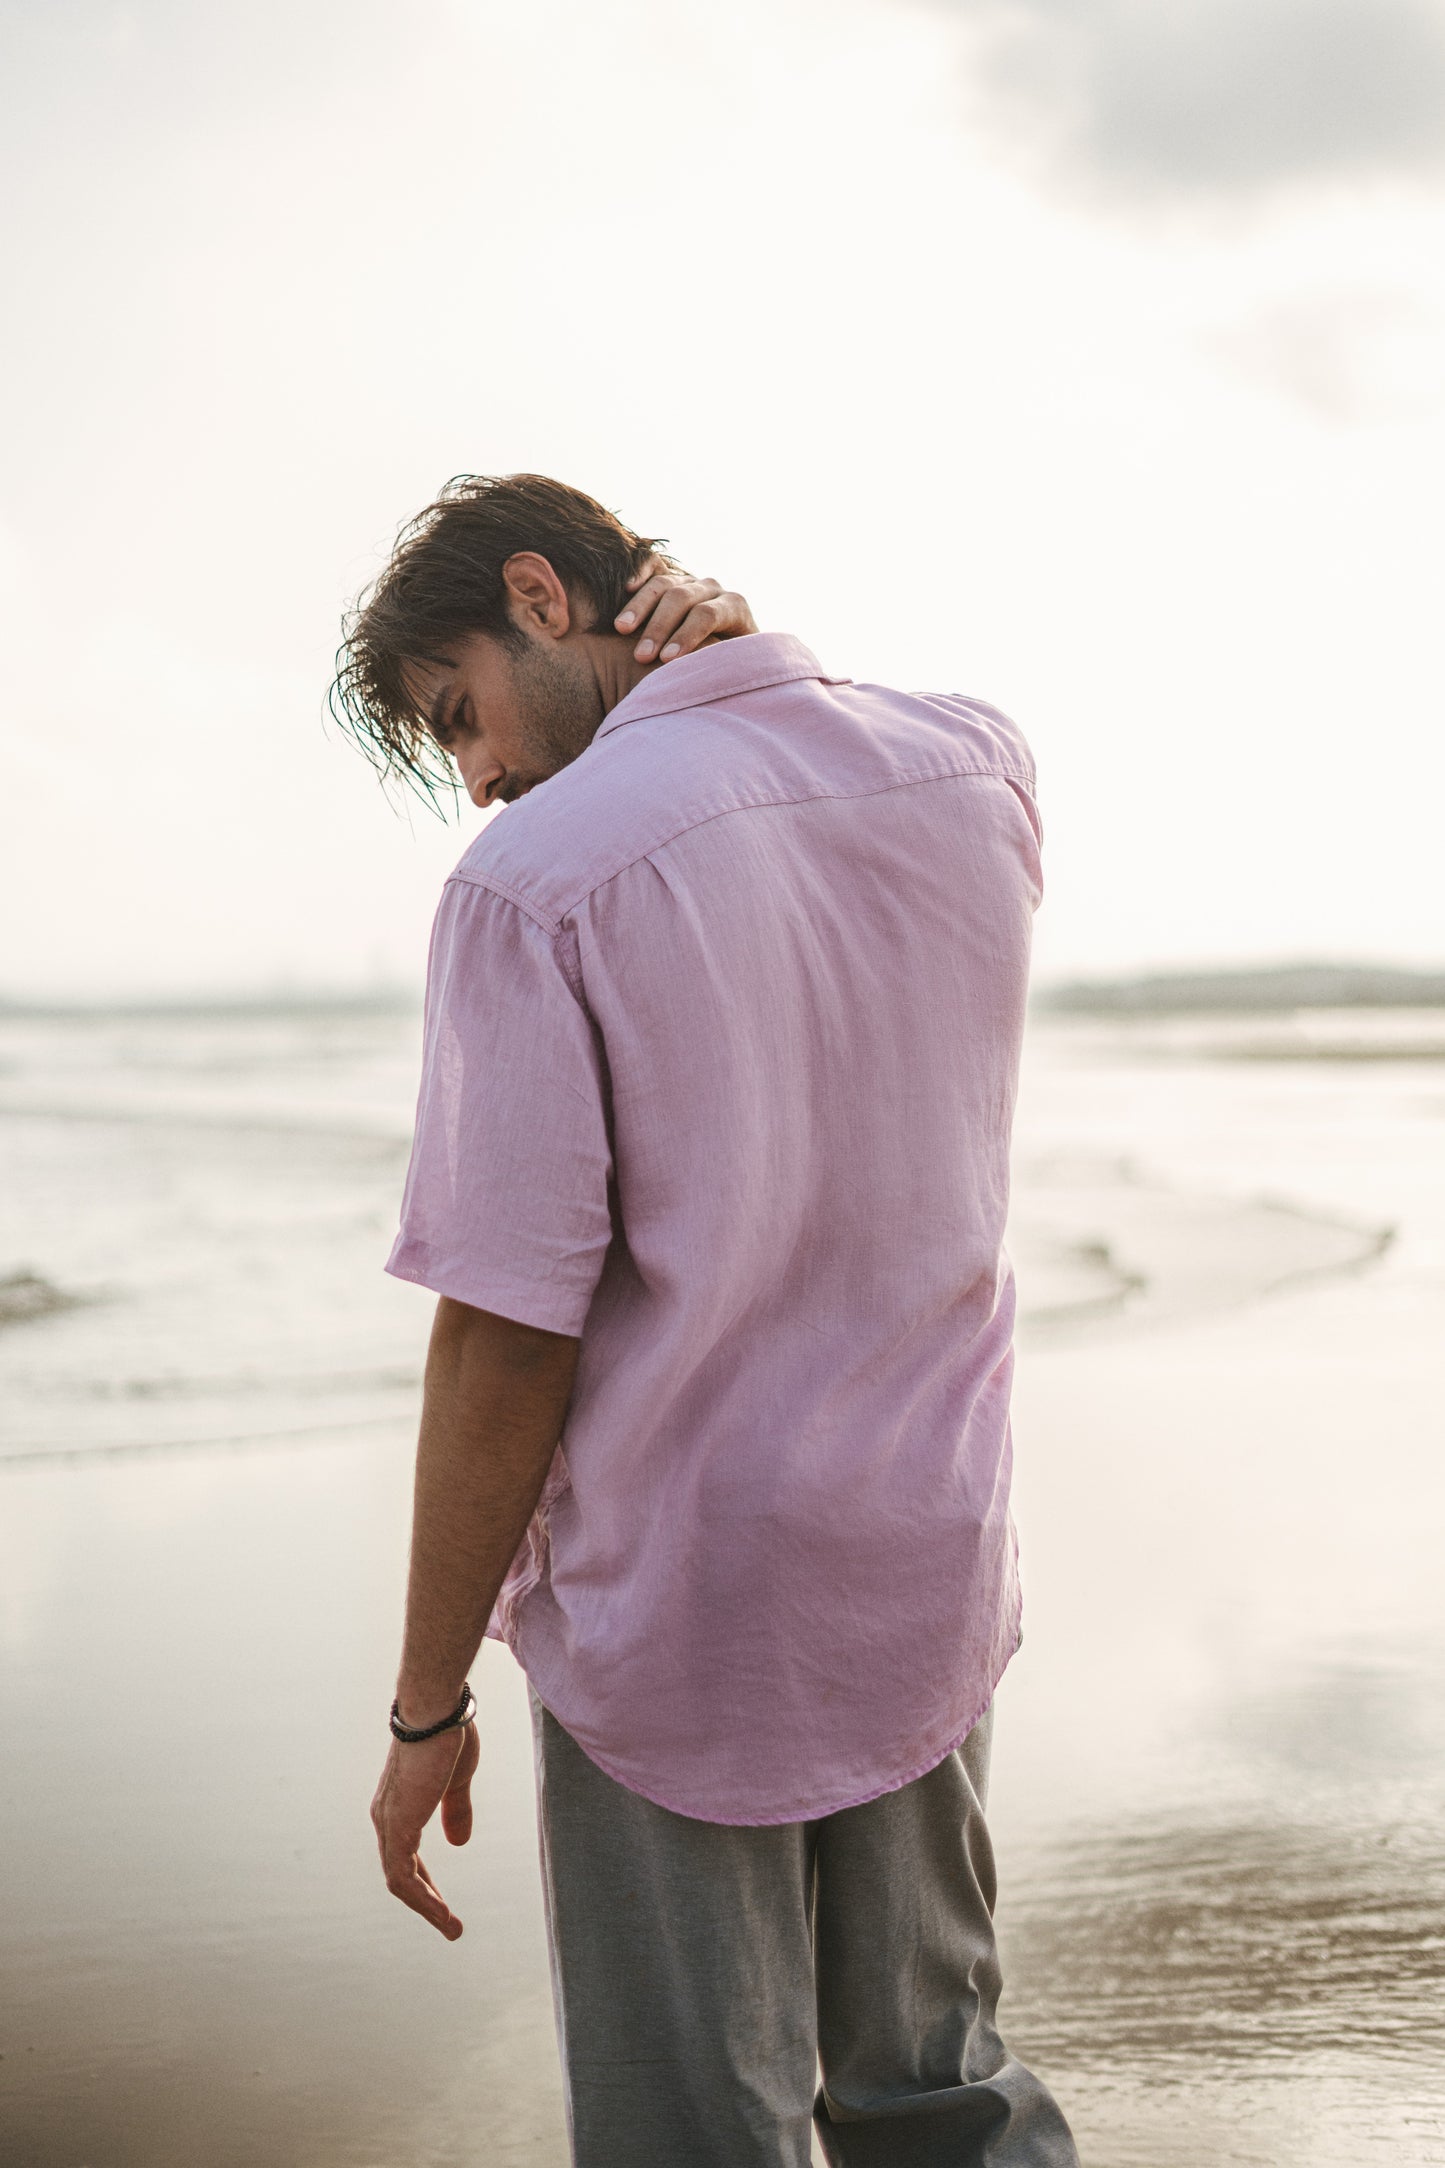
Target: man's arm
{"x":495,"y":1398}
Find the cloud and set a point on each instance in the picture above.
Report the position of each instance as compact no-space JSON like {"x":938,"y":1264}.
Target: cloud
{"x":1358,"y":354}
{"x":1223,"y":98}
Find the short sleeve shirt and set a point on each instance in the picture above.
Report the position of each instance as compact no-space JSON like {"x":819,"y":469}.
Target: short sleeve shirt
{"x":722,"y":1039}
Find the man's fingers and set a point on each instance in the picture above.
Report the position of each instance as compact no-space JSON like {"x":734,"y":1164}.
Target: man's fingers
{"x":671,"y":610}
{"x":656,"y":606}
{"x":674,"y":616}
{"x":672,"y":624}
{"x":703,"y":621}
{"x":644,"y":587}
{"x":644,"y":572}
{"x":635,"y":611}
{"x":415,"y":1780}
{"x":408,"y":1879}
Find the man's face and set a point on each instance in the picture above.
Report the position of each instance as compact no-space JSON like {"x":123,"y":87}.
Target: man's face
{"x":508,"y":716}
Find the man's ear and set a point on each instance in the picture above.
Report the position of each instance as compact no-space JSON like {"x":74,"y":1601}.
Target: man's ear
{"x":537,"y":602}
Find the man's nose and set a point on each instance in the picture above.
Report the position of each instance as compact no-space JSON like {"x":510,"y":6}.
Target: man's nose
{"x":483,"y":778}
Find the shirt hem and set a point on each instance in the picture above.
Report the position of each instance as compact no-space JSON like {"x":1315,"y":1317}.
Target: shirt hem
{"x":806,"y":1814}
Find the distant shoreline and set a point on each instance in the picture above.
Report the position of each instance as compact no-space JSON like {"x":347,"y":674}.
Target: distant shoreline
{"x":220,"y":1007}
{"x":1226,"y":991}
{"x":1265,"y":988}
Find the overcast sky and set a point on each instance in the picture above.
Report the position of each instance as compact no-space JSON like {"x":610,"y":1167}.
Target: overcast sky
{"x":1088,"y":355}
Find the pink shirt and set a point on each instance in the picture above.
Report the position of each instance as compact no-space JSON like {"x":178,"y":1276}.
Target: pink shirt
{"x":723,"y":1028}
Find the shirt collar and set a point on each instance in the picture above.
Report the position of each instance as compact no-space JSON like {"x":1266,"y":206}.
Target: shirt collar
{"x":744,"y":665}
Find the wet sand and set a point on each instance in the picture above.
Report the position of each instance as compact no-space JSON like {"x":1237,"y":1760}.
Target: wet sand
{"x":1219,"y":1792}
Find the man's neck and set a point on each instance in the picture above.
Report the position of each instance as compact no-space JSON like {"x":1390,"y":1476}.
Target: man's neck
{"x":614,"y":666}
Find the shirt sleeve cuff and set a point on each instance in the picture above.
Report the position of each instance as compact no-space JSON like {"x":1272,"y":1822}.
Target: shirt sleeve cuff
{"x":548,"y":1308}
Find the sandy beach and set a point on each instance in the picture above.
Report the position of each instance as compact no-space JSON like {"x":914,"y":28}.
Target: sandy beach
{"x":1219,"y":1788}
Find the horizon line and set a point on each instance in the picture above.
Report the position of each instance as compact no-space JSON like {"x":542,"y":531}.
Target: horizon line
{"x":1296,"y":981}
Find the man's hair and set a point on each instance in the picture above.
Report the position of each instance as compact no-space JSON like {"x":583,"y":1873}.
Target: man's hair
{"x":444,"y":583}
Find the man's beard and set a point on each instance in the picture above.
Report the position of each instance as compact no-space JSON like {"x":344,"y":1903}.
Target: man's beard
{"x":558,"y":712}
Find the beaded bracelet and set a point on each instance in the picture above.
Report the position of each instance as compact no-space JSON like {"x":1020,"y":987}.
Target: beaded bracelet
{"x":462,"y":1714}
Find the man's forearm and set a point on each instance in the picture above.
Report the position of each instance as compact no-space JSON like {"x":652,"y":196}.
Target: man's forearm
{"x":492,"y":1412}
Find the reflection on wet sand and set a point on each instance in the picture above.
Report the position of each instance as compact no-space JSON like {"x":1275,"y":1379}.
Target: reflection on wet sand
{"x":1290,"y":1926}
{"x":1240,"y":1994}
{"x":1176,"y":1945}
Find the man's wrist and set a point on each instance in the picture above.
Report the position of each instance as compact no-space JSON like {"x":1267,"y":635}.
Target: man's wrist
{"x":462,"y":1712}
{"x":419,"y":1706}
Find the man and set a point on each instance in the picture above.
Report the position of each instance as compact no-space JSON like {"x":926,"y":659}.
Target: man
{"x":710,"y":1175}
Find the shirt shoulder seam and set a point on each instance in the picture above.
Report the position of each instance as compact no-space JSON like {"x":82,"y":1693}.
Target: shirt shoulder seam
{"x":491,"y":884}
{"x":498,"y":887}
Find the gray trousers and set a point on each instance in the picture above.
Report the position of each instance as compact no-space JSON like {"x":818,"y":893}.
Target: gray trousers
{"x":702,"y":1974}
